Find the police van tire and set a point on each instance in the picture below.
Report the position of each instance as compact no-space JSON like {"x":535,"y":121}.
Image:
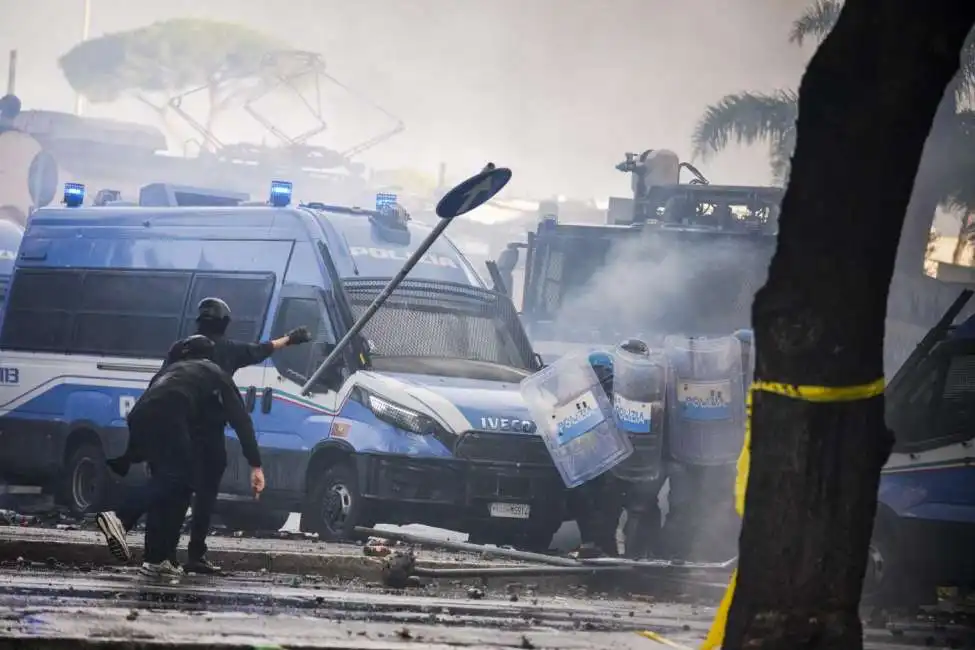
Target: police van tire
{"x":86,"y":479}
{"x":889,"y":581}
{"x":253,"y":520}
{"x":335,"y":505}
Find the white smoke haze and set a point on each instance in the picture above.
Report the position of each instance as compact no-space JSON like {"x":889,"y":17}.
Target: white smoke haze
{"x":702,"y":289}
{"x":555,"y":90}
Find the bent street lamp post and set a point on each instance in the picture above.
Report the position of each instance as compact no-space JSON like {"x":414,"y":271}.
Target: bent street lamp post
{"x":463,"y":198}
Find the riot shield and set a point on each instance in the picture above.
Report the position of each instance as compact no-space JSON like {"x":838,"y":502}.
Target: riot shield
{"x":639,"y":391}
{"x":706,"y":398}
{"x":575,"y":419}
{"x":746,"y":339}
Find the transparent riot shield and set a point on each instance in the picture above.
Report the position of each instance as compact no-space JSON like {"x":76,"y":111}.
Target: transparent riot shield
{"x":639,"y":391}
{"x":746,"y":339}
{"x":575,"y":419}
{"x":706,"y":400}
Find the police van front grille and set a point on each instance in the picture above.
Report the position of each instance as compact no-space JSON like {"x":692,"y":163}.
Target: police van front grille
{"x":503,"y":448}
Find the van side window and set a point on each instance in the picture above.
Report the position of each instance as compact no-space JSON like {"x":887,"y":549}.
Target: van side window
{"x":39,"y":310}
{"x":125,"y":312}
{"x":247,"y":294}
{"x":957,"y":418}
{"x":295,"y":362}
{"x":129,"y":313}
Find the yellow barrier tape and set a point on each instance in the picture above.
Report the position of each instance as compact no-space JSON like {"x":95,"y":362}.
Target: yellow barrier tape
{"x":822,"y":393}
{"x":819,"y":394}
{"x":653,"y":636}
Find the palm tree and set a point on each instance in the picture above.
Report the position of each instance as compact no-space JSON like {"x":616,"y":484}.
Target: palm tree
{"x":749,"y":118}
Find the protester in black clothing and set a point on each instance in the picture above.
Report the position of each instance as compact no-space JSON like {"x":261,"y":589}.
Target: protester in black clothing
{"x":209,"y":441}
{"x":160,"y":425}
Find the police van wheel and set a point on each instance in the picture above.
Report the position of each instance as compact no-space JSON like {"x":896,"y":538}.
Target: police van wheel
{"x":86,"y":479}
{"x":889,"y":582}
{"x":335,"y":505}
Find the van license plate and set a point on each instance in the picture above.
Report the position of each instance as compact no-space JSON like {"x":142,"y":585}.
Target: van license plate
{"x":511,"y":510}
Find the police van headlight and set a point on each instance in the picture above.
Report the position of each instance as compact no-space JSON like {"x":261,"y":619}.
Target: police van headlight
{"x":397,"y":415}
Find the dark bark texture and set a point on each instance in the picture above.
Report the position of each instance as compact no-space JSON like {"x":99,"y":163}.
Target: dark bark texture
{"x":866,"y":105}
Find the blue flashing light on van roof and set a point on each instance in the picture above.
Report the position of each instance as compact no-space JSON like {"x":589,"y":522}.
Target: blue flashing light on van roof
{"x":281,"y":192}
{"x":74,"y":194}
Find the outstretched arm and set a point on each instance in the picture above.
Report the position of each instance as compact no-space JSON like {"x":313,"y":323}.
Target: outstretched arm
{"x":249,"y":354}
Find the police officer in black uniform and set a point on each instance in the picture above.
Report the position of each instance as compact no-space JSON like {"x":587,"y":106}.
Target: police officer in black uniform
{"x":598,"y":504}
{"x":212,"y":321}
{"x":175,"y":403}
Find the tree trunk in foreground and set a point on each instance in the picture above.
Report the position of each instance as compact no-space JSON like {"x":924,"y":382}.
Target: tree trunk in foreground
{"x":866,"y":105}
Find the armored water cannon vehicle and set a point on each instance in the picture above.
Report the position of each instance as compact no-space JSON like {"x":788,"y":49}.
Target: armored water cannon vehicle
{"x":675,"y":258}
{"x":660,"y":198}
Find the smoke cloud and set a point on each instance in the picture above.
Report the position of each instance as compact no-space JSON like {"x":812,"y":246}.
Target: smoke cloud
{"x":558,"y":91}
{"x":647,"y":289}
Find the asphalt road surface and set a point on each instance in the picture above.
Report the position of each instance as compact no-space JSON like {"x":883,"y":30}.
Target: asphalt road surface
{"x":262,"y":610}
{"x":565,"y":539}
{"x":266,"y":611}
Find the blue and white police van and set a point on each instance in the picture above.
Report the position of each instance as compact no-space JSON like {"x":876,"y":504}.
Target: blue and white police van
{"x":924,"y":531}
{"x":420,"y":421}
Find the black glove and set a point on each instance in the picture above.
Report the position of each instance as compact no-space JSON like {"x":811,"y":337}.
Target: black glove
{"x":299,"y":335}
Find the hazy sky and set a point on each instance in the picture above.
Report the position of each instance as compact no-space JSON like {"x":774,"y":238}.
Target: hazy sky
{"x":556,"y":89}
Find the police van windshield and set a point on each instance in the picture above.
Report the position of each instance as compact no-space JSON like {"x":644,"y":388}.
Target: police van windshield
{"x":443,"y":328}
{"x":376,"y":257}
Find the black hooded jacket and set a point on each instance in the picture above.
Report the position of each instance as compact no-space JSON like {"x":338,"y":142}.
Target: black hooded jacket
{"x":182,"y":396}
{"x":230,"y":356}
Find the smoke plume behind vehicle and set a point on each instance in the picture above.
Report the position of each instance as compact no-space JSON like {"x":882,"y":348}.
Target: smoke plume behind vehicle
{"x":650,"y":288}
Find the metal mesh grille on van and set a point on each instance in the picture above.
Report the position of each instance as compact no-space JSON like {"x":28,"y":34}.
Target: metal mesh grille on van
{"x":958,"y":399}
{"x":528,"y":449}
{"x":425,"y":318}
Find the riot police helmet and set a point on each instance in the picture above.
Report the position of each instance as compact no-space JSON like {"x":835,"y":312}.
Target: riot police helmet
{"x":601,"y":359}
{"x":213,"y":316}
{"x":602,"y":364}
{"x":196,"y":346}
{"x":635,"y":346}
